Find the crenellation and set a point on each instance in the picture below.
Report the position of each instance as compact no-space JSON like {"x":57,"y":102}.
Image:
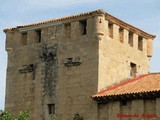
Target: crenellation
{"x":31,"y":37}
{"x":75,"y":30}
{"x":115,"y":32}
{"x":44,"y":33}
{"x":149,"y":47}
{"x":126,"y":34}
{"x":144,"y":47}
{"x":135,"y":41}
{"x":130,"y":39}
{"x":110,"y":30}
{"x":66,"y":28}
{"x":121,"y":34}
{"x":90,"y":27}
{"x":9,"y":41}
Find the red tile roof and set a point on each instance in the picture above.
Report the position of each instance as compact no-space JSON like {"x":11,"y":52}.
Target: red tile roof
{"x":99,"y":11}
{"x":143,"y":84}
{"x":55,"y":20}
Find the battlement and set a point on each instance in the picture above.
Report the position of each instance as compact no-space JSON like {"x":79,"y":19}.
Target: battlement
{"x":80,"y":24}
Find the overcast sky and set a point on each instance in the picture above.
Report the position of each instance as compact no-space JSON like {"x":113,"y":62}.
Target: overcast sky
{"x":144,"y":14}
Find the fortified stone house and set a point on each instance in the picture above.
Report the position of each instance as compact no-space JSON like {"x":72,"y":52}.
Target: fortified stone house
{"x":92,"y":64}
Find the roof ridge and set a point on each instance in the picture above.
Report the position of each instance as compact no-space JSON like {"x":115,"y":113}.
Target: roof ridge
{"x":123,"y":83}
{"x":56,"y":19}
{"x":155,"y":73}
{"x":100,"y":11}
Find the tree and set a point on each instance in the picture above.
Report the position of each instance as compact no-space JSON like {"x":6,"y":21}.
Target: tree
{"x":6,"y":115}
{"x":77,"y":117}
{"x":54,"y":117}
{"x":24,"y":115}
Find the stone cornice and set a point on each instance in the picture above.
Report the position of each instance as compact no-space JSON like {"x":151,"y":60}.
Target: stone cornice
{"x":108,"y":17}
{"x":127,"y":26}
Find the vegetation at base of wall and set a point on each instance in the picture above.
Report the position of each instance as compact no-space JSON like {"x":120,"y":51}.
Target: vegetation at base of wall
{"x":24,"y":115}
{"x":77,"y":117}
{"x":6,"y":115}
{"x":54,"y":117}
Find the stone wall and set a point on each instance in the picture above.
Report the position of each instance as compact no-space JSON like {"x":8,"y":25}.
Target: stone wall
{"x":116,"y":55}
{"x":130,"y":110}
{"x":77,"y":82}
{"x":65,"y":57}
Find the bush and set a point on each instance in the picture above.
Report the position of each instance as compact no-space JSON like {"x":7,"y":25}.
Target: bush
{"x":6,"y":115}
{"x":77,"y":117}
{"x":54,"y":117}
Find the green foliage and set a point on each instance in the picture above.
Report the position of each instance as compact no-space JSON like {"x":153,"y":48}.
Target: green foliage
{"x":77,"y":117}
{"x":54,"y":117}
{"x":23,"y":115}
{"x":6,"y":115}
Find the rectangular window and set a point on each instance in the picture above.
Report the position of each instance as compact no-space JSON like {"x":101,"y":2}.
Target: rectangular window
{"x":38,"y":36}
{"x":68,"y":30}
{"x":24,"y":39}
{"x":125,"y":105}
{"x":110,"y":30}
{"x":130,"y":39}
{"x":140,"y":43}
{"x":133,"y":70}
{"x":51,"y":108}
{"x":121,"y":34}
{"x":123,"y":102}
{"x":83,"y":27}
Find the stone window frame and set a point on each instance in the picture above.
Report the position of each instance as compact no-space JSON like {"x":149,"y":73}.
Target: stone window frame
{"x":133,"y":69}
{"x":51,"y":108}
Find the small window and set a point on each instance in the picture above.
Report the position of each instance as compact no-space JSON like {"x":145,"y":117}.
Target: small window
{"x":133,"y":70}
{"x":38,"y":36}
{"x":121,"y":34}
{"x":130,"y":39}
{"x":68,"y":30}
{"x":24,"y":39}
{"x":110,"y":30}
{"x":140,"y":43}
{"x":83,"y":27}
{"x":123,"y":102}
{"x":51,"y":108}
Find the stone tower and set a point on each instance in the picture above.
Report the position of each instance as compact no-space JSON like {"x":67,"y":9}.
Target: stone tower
{"x":55,"y":66}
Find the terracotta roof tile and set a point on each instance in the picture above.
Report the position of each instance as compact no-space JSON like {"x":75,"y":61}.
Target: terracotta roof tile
{"x":142,"y":84}
{"x":55,"y":20}
{"x":110,"y":17}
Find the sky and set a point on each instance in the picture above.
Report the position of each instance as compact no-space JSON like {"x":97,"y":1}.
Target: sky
{"x":144,"y":14}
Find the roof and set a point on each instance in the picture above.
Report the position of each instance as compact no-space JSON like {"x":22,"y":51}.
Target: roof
{"x":55,"y":20}
{"x":108,"y":17}
{"x":140,"y":86}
